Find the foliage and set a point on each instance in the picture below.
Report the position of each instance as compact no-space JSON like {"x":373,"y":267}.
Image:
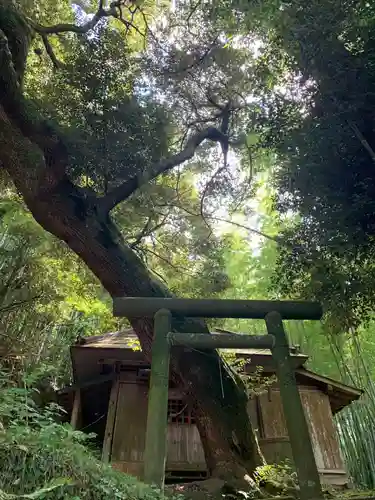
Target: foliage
{"x":47,"y":299}
{"x":355,"y":430}
{"x":113,"y":130}
{"x":117,"y":125}
{"x":299,"y":82}
{"x":256,"y":383}
{"x":320,"y":61}
{"x":281,"y":477}
{"x":316,"y":117}
{"x":40,"y":458}
{"x":348,"y":357}
{"x":355,"y":423}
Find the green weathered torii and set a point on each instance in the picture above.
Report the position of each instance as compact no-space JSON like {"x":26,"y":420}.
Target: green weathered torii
{"x":273,"y":312}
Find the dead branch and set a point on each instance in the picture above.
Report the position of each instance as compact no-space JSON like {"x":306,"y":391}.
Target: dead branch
{"x":182,"y":270}
{"x":275,"y":239}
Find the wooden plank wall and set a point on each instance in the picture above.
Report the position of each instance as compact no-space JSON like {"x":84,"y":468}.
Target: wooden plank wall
{"x":320,"y":420}
{"x":272,"y":415}
{"x":185,"y":450}
{"x":322,"y":430}
{"x":129,"y":429}
{"x":111,"y":416}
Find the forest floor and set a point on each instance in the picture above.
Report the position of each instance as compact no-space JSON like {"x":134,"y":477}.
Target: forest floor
{"x":216,"y":490}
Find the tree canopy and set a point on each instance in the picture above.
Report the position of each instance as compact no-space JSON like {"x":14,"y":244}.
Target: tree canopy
{"x":162,"y":144}
{"x":321,"y":128}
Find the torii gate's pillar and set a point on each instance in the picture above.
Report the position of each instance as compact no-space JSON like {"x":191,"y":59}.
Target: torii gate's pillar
{"x":299,"y":436}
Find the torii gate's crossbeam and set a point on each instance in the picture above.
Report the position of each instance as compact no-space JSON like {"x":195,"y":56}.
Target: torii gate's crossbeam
{"x":276,"y":340}
{"x":141,"y":307}
{"x":221,"y":341}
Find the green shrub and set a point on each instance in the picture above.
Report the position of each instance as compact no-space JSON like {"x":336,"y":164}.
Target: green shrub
{"x":277,"y":478}
{"x":42,"y":459}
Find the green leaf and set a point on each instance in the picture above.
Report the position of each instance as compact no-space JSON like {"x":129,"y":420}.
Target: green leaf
{"x":252,"y":139}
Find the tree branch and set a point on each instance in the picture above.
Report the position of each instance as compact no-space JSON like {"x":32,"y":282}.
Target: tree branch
{"x":196,"y":61}
{"x":205,"y":190}
{"x":193,"y":10}
{"x":275,"y":239}
{"x":125,"y":190}
{"x":126,"y":22}
{"x":56,"y":63}
{"x":148,"y":230}
{"x":362,"y":140}
{"x":115,"y":11}
{"x":73,"y":28}
{"x":21,"y":303}
{"x":182,"y":270}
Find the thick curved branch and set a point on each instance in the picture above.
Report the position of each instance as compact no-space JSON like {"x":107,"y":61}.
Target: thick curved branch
{"x":73,"y":28}
{"x":22,"y":113}
{"x":115,"y":10}
{"x":126,"y":189}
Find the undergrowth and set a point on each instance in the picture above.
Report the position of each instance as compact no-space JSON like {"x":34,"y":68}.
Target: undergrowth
{"x":43,"y":459}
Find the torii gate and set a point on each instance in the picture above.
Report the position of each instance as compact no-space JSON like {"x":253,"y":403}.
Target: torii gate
{"x":273,"y":312}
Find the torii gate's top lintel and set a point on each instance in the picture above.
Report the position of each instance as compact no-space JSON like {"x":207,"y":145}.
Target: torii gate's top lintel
{"x":141,"y":307}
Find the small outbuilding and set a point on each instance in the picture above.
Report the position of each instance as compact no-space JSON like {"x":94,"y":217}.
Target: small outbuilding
{"x":109,"y":398}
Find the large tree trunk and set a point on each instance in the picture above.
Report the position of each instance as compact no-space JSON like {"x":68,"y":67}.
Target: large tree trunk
{"x":218,"y":401}
{"x":35,"y":159}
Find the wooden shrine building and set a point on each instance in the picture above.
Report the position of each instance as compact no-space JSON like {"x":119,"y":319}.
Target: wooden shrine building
{"x":109,"y":398}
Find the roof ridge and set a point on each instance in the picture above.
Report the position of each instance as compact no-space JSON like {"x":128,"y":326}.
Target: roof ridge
{"x":129,"y":333}
{"x":95,"y":338}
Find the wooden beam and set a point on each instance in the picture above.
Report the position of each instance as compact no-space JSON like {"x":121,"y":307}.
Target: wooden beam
{"x":110,"y":424}
{"x":221,"y":341}
{"x":76,"y":411}
{"x":87,"y":383}
{"x":135,"y":307}
{"x":354,"y":392}
{"x":299,"y":436}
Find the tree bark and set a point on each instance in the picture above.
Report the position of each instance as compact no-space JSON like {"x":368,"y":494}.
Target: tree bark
{"x":35,"y":159}
{"x":218,"y":401}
